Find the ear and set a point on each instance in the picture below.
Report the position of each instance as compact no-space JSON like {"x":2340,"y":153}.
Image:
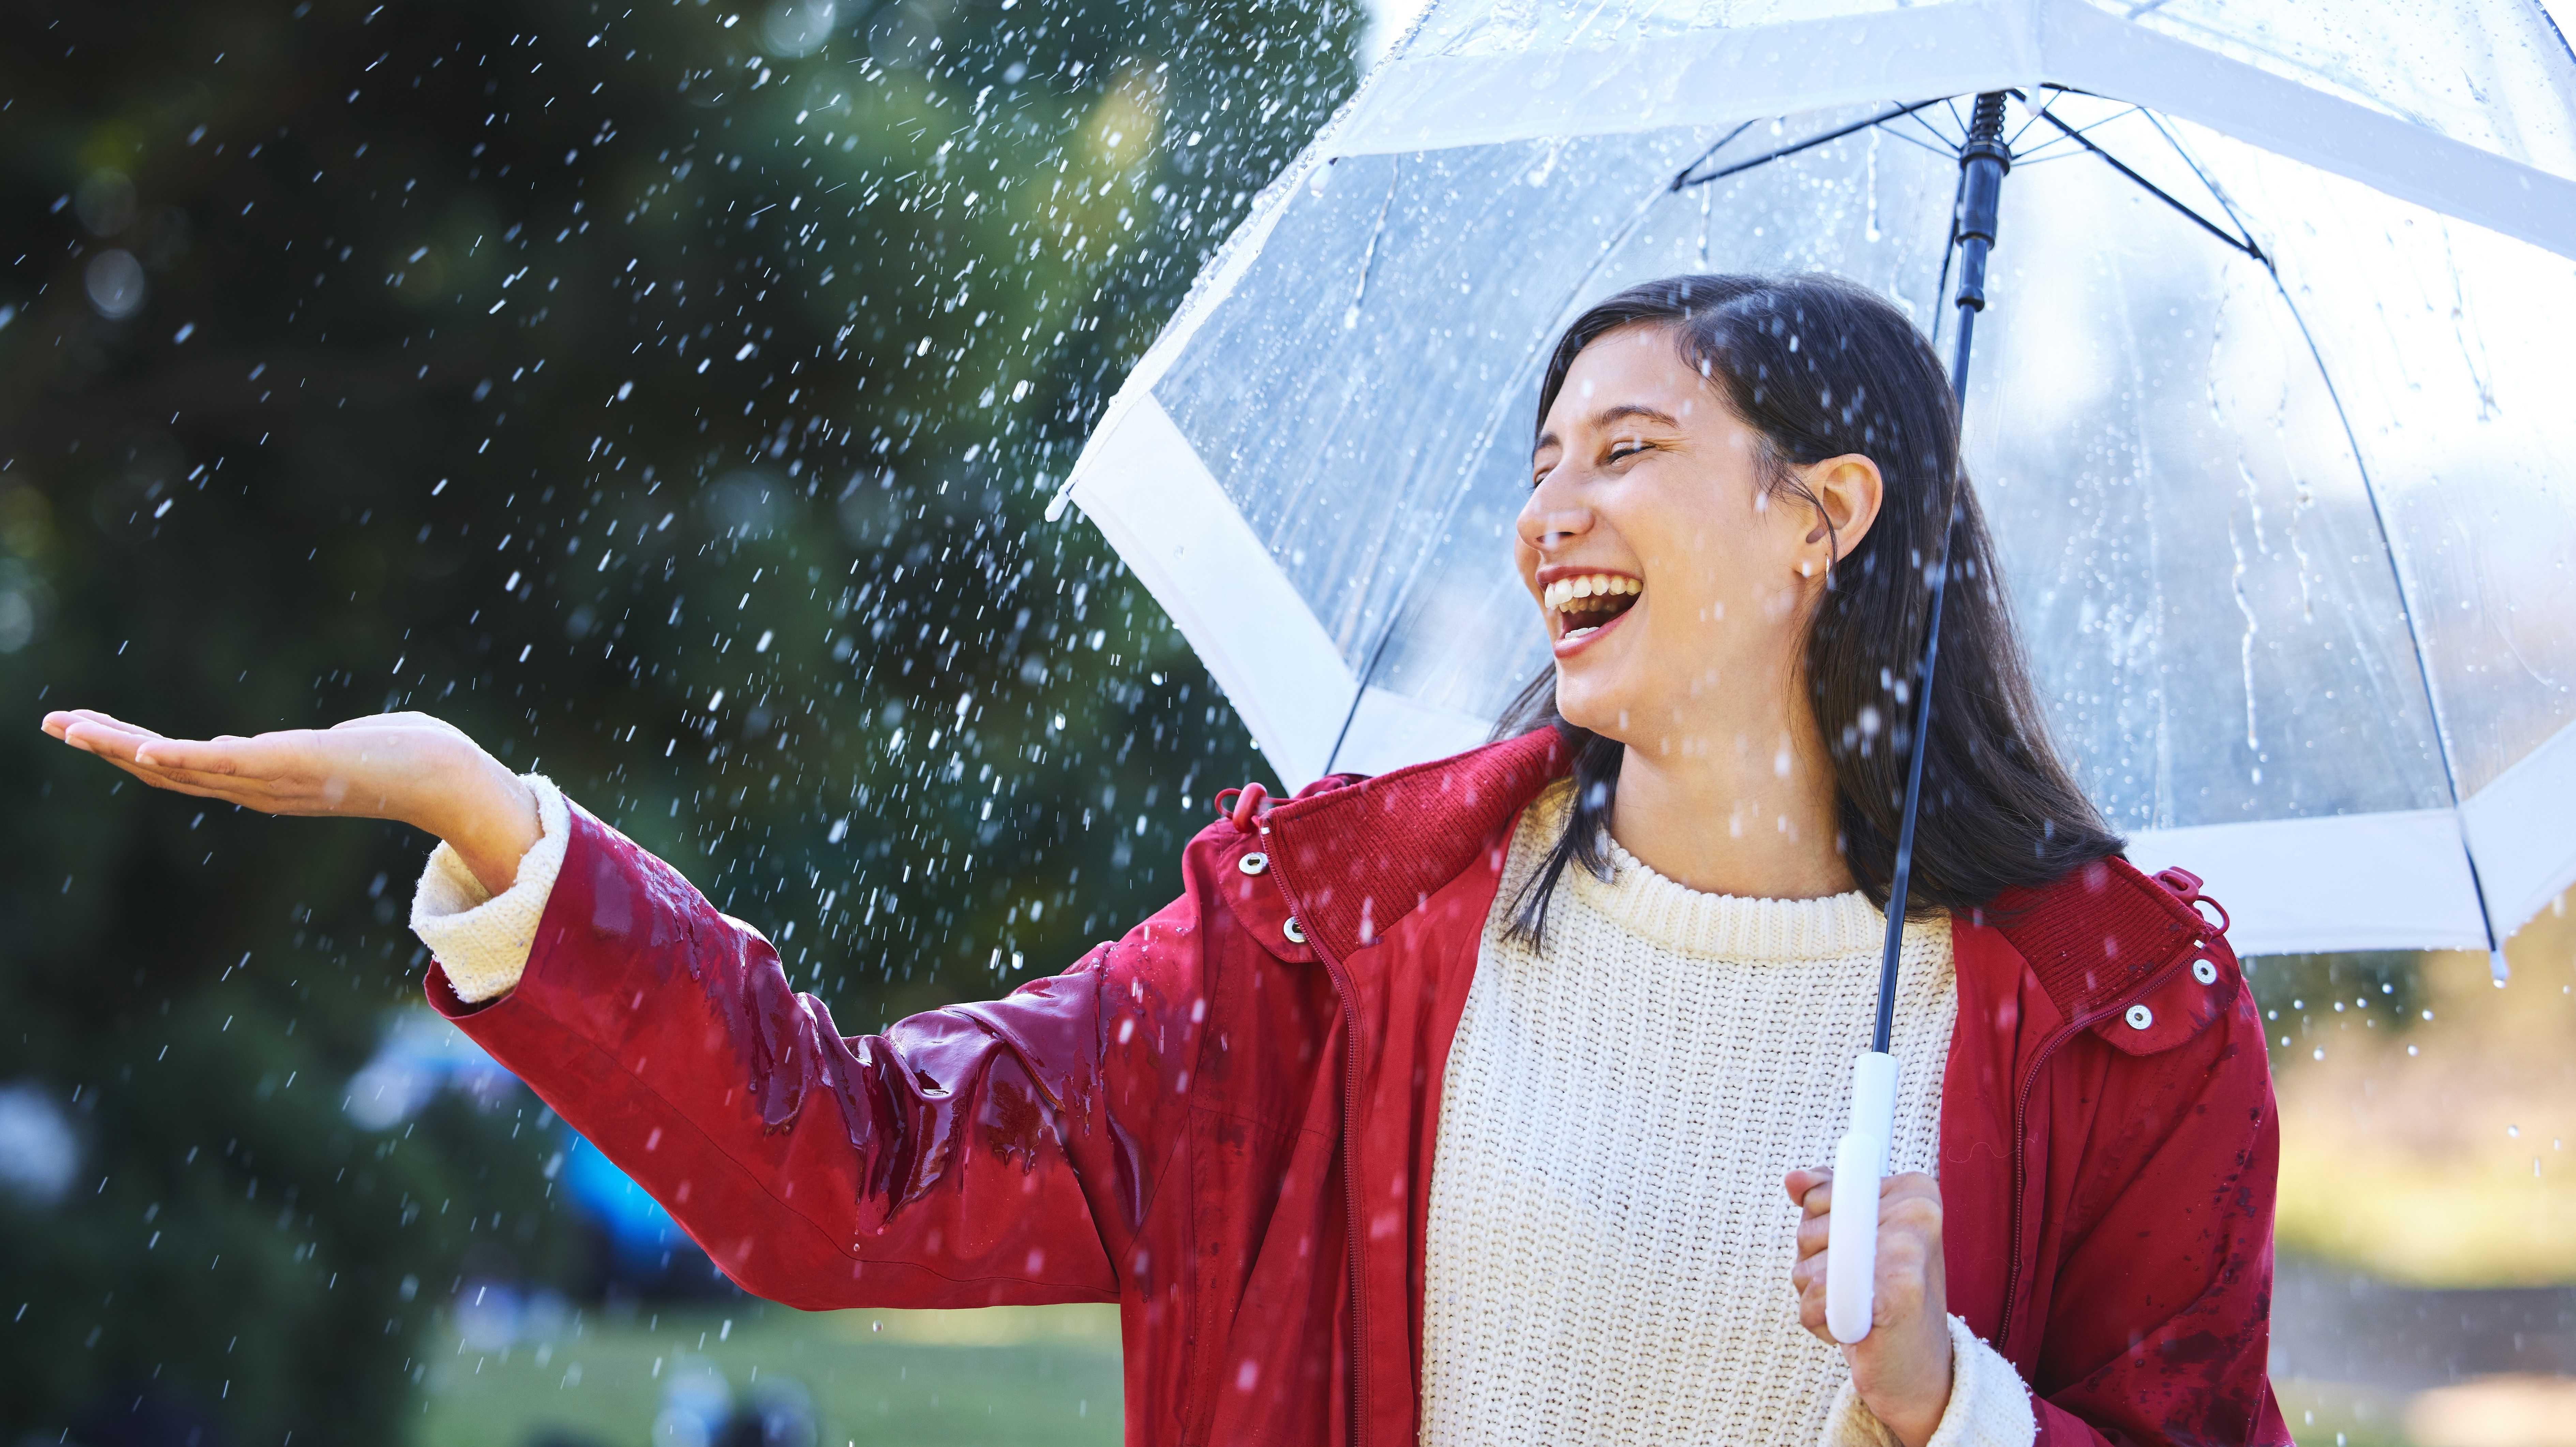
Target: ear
{"x":1847,"y":491}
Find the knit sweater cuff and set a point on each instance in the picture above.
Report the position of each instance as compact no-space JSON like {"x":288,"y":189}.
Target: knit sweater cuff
{"x":482,"y":939}
{"x":1989,"y":1405}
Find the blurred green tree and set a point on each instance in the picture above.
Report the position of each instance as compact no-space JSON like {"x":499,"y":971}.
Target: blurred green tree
{"x":666,"y":394}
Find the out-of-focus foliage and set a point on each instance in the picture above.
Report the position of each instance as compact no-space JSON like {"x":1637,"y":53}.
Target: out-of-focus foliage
{"x":666,"y":393}
{"x":2428,"y":1116}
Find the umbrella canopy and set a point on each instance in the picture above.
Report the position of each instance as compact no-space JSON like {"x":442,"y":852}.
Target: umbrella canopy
{"x":2268,"y":412}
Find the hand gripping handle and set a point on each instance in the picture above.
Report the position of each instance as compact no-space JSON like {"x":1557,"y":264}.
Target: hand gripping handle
{"x":1851,"y":1243}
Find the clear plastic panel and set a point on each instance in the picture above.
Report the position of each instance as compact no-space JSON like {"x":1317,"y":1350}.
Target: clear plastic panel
{"x":2210,"y":612}
{"x":2210,"y":605}
{"x":1511,"y":27}
{"x":2206,"y":599}
{"x":1871,"y":207}
{"x":2447,"y":346}
{"x":2495,"y":74}
{"x":1342,"y":393}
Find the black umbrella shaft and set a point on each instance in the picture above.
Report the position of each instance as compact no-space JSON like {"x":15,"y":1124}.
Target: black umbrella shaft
{"x":1982,"y":164}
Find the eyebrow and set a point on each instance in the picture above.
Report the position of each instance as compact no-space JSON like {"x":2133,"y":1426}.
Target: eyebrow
{"x":1619,"y":413}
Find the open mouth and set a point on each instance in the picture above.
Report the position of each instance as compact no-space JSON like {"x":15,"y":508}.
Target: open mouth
{"x":1590,"y":602}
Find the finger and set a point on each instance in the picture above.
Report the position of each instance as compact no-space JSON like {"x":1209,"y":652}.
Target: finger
{"x":382,"y":721}
{"x":1908,"y":1276}
{"x":1813,"y":1232}
{"x":191,"y":756}
{"x":287,"y":754}
{"x":100,"y":715}
{"x":156,"y":775}
{"x":1910,"y":1205}
{"x":89,"y":721}
{"x":101,"y":719}
{"x":1809,"y":1281}
{"x":200,"y":786}
{"x":1910,"y":1184}
{"x":108,"y":741}
{"x":1805,"y":1179}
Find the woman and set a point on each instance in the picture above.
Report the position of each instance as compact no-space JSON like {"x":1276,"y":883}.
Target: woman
{"x":1396,"y":1127}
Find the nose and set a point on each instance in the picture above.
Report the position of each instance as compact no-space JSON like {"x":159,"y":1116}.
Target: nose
{"x":1552,"y":518}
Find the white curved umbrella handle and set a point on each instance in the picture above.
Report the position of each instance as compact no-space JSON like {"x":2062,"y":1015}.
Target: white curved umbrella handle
{"x":1851,"y":1243}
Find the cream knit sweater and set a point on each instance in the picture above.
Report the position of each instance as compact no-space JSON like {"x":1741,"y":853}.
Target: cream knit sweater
{"x":1609,"y":1243}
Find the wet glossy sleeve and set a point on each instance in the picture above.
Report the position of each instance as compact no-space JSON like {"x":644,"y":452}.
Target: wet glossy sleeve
{"x":977,"y":1155}
{"x":2173,"y":1266}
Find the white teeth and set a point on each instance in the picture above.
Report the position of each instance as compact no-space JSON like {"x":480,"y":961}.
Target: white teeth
{"x":1589,"y":585}
{"x":1573,"y":633}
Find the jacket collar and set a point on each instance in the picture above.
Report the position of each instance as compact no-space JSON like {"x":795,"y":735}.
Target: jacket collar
{"x":1360,"y":854}
{"x":2095,"y":934}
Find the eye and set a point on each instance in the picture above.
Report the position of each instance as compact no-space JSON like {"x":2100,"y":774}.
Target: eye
{"x":1623,"y":450}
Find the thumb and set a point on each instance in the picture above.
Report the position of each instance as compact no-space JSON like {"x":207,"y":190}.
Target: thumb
{"x":1805,"y":1182}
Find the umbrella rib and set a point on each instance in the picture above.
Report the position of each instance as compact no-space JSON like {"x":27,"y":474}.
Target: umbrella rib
{"x":1685,"y":178}
{"x":2012,"y":142}
{"x":2036,"y":153}
{"x":2405,"y":610}
{"x":1948,"y":146}
{"x":2242,"y":244}
{"x":1947,"y":153}
{"x":1720,"y":144}
{"x":2201,"y":175}
{"x":1494,"y":419}
{"x":2052,"y":149}
{"x":2387,"y":546}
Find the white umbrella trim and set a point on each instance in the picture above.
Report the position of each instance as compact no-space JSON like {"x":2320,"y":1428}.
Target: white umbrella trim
{"x":1720,"y":76}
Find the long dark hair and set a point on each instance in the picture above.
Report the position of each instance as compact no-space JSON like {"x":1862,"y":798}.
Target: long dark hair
{"x":1820,"y":367}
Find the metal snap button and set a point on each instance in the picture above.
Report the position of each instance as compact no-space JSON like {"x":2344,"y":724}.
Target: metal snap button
{"x":1295,"y":932}
{"x":1253,"y":863}
{"x":2140,"y":1017}
{"x":2204,"y":971}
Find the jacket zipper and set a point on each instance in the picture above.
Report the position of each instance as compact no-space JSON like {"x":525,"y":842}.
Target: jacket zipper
{"x":1350,"y":1151}
{"x":2021,"y":1125}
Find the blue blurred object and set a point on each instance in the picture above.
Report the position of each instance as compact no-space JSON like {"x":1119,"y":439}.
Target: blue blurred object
{"x":420,"y":1056}
{"x":642,"y":1237}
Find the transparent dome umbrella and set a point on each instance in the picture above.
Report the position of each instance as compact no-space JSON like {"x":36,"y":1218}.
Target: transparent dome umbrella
{"x":2268,"y":408}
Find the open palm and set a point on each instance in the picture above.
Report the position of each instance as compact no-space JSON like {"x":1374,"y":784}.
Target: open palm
{"x":408,"y":767}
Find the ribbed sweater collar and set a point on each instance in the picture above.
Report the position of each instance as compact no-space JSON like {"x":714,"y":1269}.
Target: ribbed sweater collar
{"x":1640,"y":902}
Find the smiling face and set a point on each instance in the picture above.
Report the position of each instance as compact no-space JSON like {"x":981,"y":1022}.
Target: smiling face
{"x":1664,"y":565}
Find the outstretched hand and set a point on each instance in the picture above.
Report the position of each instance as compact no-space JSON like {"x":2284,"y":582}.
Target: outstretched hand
{"x":407,"y":767}
{"x":1902,"y":1368}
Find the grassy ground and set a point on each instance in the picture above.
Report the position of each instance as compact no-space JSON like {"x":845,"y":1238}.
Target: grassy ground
{"x":2339,"y":1414}
{"x":1017,"y":1376}
{"x":1049,"y":1378}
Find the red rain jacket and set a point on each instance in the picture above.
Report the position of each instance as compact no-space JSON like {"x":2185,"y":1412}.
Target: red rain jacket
{"x":1224,"y":1122}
